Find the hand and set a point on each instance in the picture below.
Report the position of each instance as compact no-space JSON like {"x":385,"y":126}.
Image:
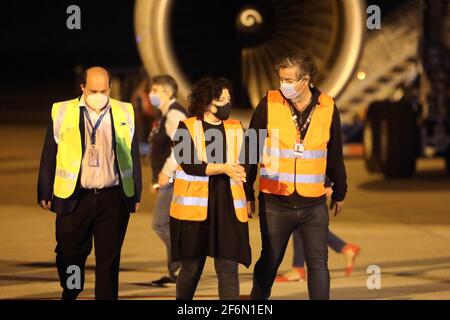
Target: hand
{"x":136,"y":206}
{"x":328,"y":192}
{"x":250,"y":208}
{"x":337,"y":206}
{"x":46,"y":205}
{"x":163,"y":179}
{"x":235,"y":172}
{"x":154,"y":188}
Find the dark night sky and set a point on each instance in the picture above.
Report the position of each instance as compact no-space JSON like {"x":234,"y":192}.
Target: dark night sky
{"x":35,"y":39}
{"x":39,"y":54}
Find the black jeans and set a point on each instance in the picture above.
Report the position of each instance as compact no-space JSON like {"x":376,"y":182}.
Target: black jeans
{"x":334,"y":242}
{"x":277,"y":223}
{"x":102,"y":216}
{"x":191,"y":271}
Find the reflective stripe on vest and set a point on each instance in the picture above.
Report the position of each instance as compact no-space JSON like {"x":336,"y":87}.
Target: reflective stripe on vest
{"x":240,"y":204}
{"x":179,"y":174}
{"x":190,"y":197}
{"x":65,"y":174}
{"x":289,"y":177}
{"x":66,"y":132}
{"x":308,"y":154}
{"x":281,"y":172}
{"x":203,"y":202}
{"x":190,"y":201}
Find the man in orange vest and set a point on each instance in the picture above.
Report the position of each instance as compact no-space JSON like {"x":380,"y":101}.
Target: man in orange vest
{"x":303,"y":145}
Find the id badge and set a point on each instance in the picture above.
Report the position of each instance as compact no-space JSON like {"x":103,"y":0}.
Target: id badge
{"x":299,"y":149}
{"x":93,"y":160}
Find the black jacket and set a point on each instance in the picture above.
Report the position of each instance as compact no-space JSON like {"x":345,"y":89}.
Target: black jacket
{"x":48,"y":166}
{"x":161,"y":143}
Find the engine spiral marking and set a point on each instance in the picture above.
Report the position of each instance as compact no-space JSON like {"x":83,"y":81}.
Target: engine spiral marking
{"x":250,"y":17}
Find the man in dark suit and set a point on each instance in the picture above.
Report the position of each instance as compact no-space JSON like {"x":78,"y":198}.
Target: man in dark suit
{"x":90,"y":175}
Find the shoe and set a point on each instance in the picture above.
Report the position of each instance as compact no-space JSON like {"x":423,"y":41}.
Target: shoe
{"x":350,"y":251}
{"x":295,"y":274}
{"x":164,"y":282}
{"x":68,"y":295}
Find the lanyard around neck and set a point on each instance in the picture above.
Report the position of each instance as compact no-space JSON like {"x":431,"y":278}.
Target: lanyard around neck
{"x":305,"y":125}
{"x":97,"y":124}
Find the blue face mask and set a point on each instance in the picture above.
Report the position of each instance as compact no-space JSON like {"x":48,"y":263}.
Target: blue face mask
{"x":155,"y":100}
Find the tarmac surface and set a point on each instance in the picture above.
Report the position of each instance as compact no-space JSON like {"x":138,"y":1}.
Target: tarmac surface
{"x":403,"y":227}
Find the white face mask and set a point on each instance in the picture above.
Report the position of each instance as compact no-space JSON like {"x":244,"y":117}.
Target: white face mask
{"x":289,"y":91}
{"x":97,"y":101}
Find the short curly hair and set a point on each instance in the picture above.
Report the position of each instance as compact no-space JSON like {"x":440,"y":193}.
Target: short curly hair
{"x":204,"y":92}
{"x":301,"y":59}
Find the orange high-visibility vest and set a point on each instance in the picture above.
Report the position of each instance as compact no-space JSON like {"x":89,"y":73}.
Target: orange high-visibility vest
{"x":282,"y":173}
{"x":190,"y":194}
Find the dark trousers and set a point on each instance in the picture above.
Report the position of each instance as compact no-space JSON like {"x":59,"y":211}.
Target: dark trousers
{"x":277,"y":223}
{"x":334,"y":242}
{"x":191,"y":271}
{"x":101,"y":216}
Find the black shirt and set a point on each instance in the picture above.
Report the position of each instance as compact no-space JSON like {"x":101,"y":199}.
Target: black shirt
{"x":335,"y":163}
{"x":221,"y":235}
{"x":161,"y":143}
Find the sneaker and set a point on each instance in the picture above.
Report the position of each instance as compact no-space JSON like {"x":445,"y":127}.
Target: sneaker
{"x":164,"y":282}
{"x":295,"y":274}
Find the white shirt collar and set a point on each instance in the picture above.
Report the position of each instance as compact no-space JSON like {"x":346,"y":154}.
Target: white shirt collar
{"x":164,"y":108}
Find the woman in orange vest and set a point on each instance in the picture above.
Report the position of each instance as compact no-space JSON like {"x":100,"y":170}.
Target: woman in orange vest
{"x":209,"y":208}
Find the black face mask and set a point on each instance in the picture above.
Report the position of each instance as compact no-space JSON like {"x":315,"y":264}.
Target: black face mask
{"x":223,"y":112}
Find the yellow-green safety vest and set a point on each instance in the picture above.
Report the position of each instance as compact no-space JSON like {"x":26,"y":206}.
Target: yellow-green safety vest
{"x":66,"y":132}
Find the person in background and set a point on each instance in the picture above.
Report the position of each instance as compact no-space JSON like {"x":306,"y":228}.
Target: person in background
{"x":353,"y":132}
{"x":163,"y":96}
{"x":209,"y":215}
{"x":143,"y":111}
{"x":349,"y":250}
